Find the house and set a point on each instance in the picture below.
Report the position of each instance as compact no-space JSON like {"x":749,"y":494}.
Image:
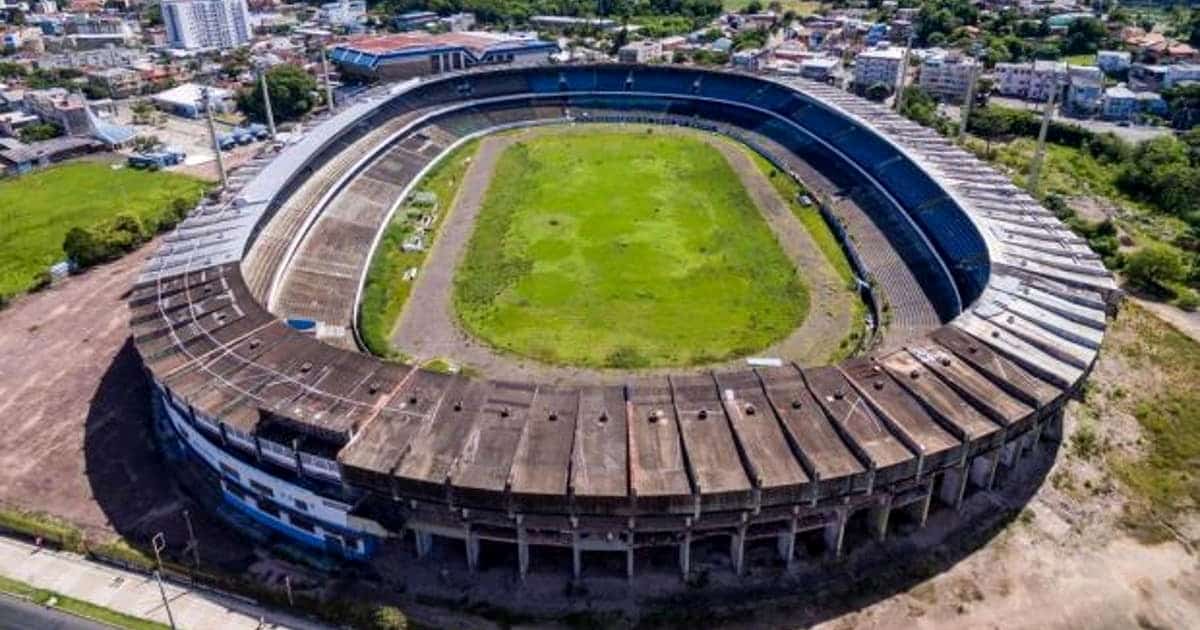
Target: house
{"x":643,"y":51}
{"x":820,"y":68}
{"x":414,"y":20}
{"x":1120,"y":103}
{"x":1113,"y":61}
{"x":1147,"y":78}
{"x":1033,"y":81}
{"x":1085,"y":89}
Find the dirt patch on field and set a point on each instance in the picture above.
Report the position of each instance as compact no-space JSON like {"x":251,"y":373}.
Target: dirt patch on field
{"x":75,"y":436}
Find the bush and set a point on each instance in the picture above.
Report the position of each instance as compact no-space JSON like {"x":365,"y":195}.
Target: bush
{"x":1154,"y":267}
{"x":388,"y":618}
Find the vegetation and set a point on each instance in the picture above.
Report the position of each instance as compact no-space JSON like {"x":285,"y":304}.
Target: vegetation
{"x":109,"y":210}
{"x":1165,"y":478}
{"x":1155,"y":267}
{"x":808,"y":214}
{"x":39,"y":131}
{"x":293,"y":93}
{"x":625,"y":250}
{"x":79,"y":608}
{"x":386,"y":291}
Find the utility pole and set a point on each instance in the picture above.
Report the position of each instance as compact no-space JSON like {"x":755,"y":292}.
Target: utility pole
{"x":187,"y":516}
{"x":328,"y":87}
{"x":166,"y":603}
{"x":968,"y":103}
{"x":1035,"y":166}
{"x":899,"y":102}
{"x":262,"y":77}
{"x":212,"y":132}
{"x":158,"y":543}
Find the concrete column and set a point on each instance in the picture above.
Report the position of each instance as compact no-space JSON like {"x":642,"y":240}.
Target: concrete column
{"x":982,"y":470}
{"x":787,"y":545}
{"x":629,"y":559}
{"x":576,"y":556}
{"x":472,"y":543}
{"x":522,"y":552}
{"x":685,"y":555}
{"x":1010,"y":451}
{"x":923,"y":505}
{"x":954,"y":487}
{"x":737,"y":549}
{"x":1053,"y":430}
{"x":880,"y":514}
{"x":424,"y":542}
{"x":835,"y":533}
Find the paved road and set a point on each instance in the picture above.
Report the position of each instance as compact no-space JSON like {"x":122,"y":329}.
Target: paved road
{"x":1130,"y":134}
{"x":18,"y":614}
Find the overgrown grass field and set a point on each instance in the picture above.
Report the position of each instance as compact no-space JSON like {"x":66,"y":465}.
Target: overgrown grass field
{"x":38,"y":209}
{"x":627,"y":250}
{"x":386,"y":292}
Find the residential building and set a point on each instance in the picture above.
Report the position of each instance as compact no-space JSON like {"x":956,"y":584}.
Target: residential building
{"x":820,"y":68}
{"x":458,"y":22}
{"x":56,"y":105}
{"x":1151,"y":103}
{"x":1085,"y":90}
{"x":116,"y":82}
{"x":1181,"y":73}
{"x":343,"y":14}
{"x":416,"y":54}
{"x":1113,"y":61}
{"x":1120,"y":103}
{"x":206,"y":24}
{"x":640,"y":52}
{"x":187,"y":100}
{"x":560,"y":23}
{"x":878,"y":65}
{"x":1030,"y":80}
{"x":414,"y":20}
{"x":1147,"y":78}
{"x":948,"y":77}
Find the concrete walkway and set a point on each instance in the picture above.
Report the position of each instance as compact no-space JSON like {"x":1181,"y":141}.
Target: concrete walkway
{"x":133,"y":593}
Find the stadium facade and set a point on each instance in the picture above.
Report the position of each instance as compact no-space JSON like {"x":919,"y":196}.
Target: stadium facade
{"x":340,"y":450}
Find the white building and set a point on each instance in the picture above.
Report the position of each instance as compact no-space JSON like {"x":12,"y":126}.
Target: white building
{"x":1181,"y":73}
{"x":346,"y":13}
{"x":1113,"y":61}
{"x":196,"y":24}
{"x":878,"y":65}
{"x":948,"y":77}
{"x":1030,"y":80}
{"x":640,"y":52}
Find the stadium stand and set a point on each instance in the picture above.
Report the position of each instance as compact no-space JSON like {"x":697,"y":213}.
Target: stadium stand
{"x":338,"y":450}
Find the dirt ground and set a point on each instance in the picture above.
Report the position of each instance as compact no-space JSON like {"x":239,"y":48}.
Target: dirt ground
{"x":432,"y":331}
{"x":74,"y":407}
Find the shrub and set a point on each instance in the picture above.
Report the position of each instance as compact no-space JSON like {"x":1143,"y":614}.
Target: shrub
{"x":1154,"y":267}
{"x":388,"y":618}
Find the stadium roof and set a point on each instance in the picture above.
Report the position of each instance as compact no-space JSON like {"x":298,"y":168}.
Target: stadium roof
{"x":368,"y":51}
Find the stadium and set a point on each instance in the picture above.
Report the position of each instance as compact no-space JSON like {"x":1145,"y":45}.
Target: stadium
{"x":245,"y":321}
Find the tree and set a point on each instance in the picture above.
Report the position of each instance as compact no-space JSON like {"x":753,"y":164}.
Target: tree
{"x":293,"y":94}
{"x":83,"y":248}
{"x":1184,"y":104}
{"x":39,"y":132}
{"x":1085,"y":35}
{"x":878,"y":91}
{"x":754,"y":6}
{"x":1154,"y":267}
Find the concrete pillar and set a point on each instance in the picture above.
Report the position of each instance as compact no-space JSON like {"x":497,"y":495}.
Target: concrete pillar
{"x":787,"y":545}
{"x":983,"y":470}
{"x":1053,"y":429}
{"x":424,"y":542}
{"x":685,"y":554}
{"x":835,"y":533}
{"x":629,"y":558}
{"x":737,"y":549}
{"x":576,"y":556}
{"x":522,"y":552}
{"x":880,"y":514}
{"x":923,"y":505}
{"x":472,"y":542}
{"x":1009,"y":452}
{"x":954,"y":487}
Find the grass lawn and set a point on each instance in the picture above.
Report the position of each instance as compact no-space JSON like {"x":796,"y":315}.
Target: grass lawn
{"x":624,"y":249}
{"x":38,"y":209}
{"x":386,"y":291}
{"x":1086,"y":59}
{"x":801,"y":7}
{"x":1165,"y":476}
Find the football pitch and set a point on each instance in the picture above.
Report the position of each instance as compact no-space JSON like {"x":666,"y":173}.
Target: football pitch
{"x":625,"y":250}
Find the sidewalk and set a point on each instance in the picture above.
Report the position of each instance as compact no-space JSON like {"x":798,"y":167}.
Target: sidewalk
{"x":133,"y":593}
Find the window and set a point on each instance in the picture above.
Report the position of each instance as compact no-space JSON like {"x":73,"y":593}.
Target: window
{"x":261,"y":489}
{"x":235,"y":490}
{"x":301,"y":505}
{"x":302,"y":522}
{"x":268,"y":506}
